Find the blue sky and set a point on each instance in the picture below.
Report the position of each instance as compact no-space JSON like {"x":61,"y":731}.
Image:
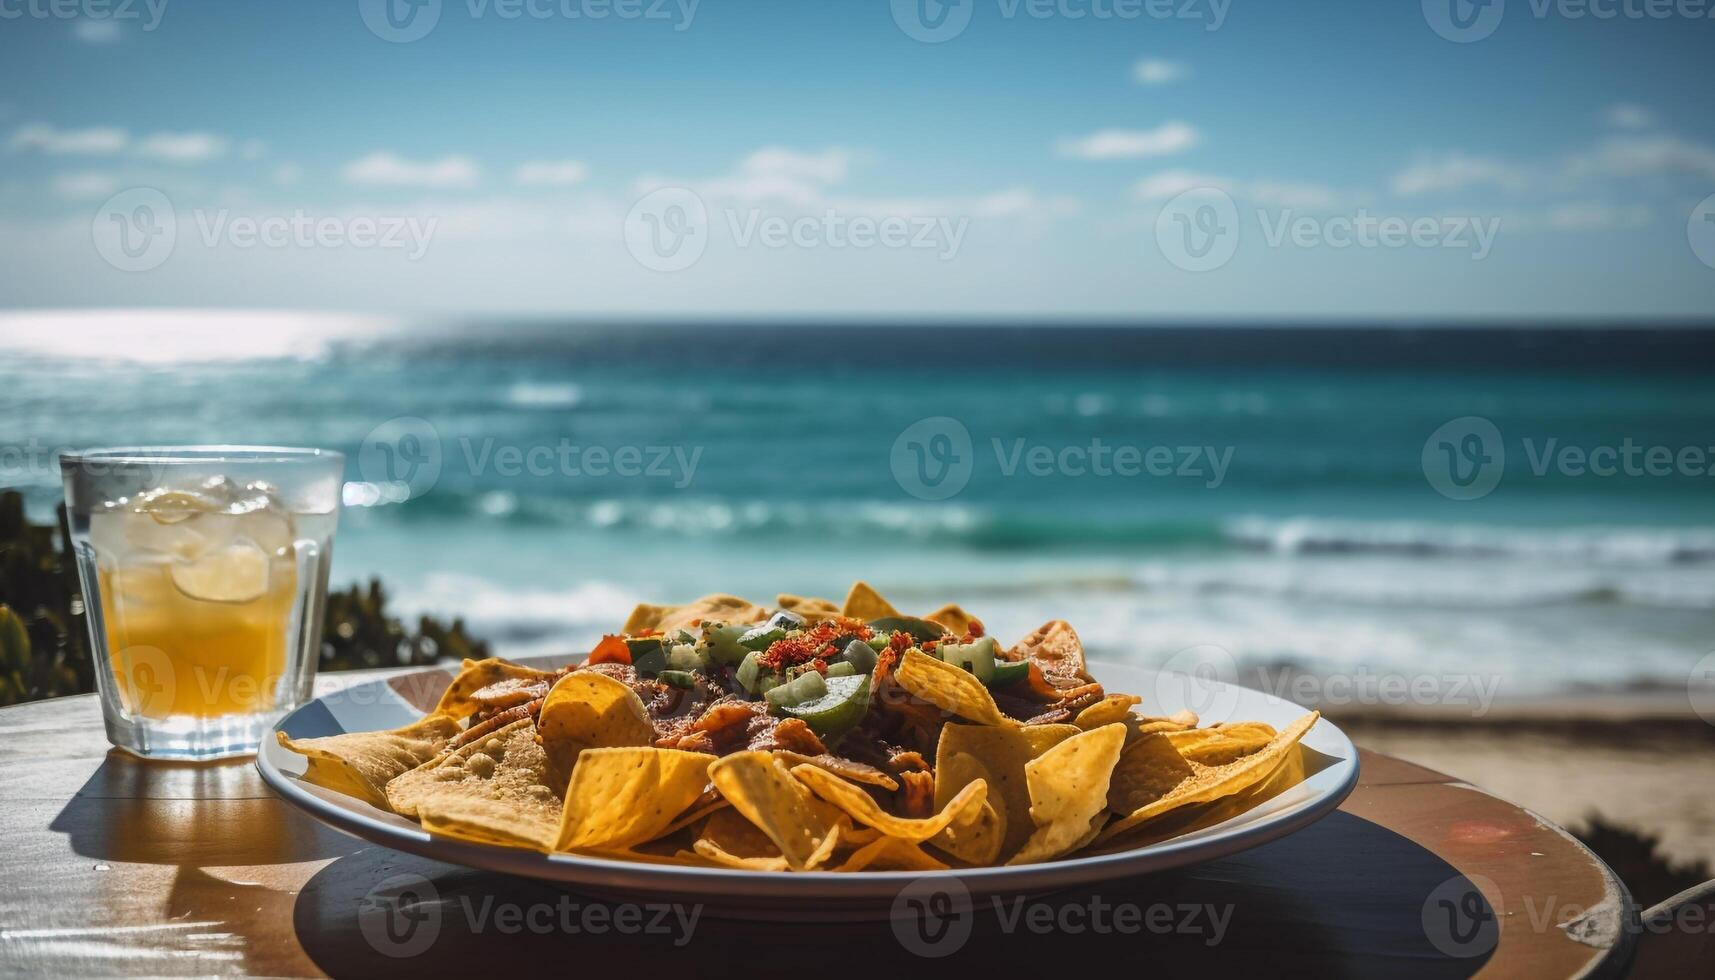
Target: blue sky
{"x":1034,"y":163}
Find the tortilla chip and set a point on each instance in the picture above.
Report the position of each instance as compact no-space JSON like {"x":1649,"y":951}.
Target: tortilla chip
{"x":891,"y":854}
{"x":954,"y":619}
{"x":863,"y":808}
{"x":1068,"y":792}
{"x":587,"y":709}
{"x":1152,"y":777}
{"x":696,"y":812}
{"x":732,"y":841}
{"x":856,"y":772}
{"x":361,"y":764}
{"x":724,"y":608}
{"x":997,"y":756}
{"x":1189,"y":819}
{"x":813,"y":610}
{"x":766,"y":793}
{"x":621,"y":797}
{"x":1222,"y":744}
{"x":949,"y":688}
{"x":1114,"y":707}
{"x":494,"y":787}
{"x":1056,"y":650}
{"x":864,"y":603}
{"x":645,"y":617}
{"x":474,"y":676}
{"x":976,"y":837}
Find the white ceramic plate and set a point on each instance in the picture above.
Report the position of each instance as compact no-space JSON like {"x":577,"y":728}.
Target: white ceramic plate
{"x":1332,"y":763}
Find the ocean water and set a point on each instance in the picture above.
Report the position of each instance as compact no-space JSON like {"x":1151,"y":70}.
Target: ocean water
{"x":1210,"y":492}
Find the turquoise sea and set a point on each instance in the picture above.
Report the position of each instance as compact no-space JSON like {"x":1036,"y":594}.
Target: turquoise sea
{"x":1264,"y":492}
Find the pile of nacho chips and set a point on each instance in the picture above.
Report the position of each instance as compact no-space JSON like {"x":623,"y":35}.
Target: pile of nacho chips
{"x":569,"y":761}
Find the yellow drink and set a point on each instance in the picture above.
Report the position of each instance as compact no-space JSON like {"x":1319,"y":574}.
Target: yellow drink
{"x":197,"y":597}
{"x":178,"y":655}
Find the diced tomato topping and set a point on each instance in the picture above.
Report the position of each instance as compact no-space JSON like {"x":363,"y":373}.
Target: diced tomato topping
{"x":611,"y":650}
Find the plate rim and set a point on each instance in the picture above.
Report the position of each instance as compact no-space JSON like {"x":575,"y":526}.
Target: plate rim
{"x":656,"y":878}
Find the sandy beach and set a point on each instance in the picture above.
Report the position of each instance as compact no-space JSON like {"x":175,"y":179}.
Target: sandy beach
{"x":1641,"y":760}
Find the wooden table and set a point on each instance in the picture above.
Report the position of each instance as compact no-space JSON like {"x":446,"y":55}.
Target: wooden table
{"x":109,"y":864}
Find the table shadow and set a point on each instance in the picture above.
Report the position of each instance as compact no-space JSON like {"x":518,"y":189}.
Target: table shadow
{"x":197,"y":814}
{"x":1341,"y":897}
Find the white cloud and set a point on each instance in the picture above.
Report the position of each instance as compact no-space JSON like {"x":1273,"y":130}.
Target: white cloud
{"x":1124,"y":144}
{"x":1457,"y":171}
{"x":827,"y":167}
{"x":390,"y":170}
{"x":89,"y":31}
{"x":288,"y":173}
{"x":1266,"y":192}
{"x":1158,"y":71}
{"x":253,"y":149}
{"x":81,"y":186}
{"x":95,"y":141}
{"x":1172,"y":183}
{"x":771,"y":174}
{"x":807,"y":182}
{"x":551,"y":173}
{"x":1644,"y":156}
{"x":1629,"y":115}
{"x":182,"y":147}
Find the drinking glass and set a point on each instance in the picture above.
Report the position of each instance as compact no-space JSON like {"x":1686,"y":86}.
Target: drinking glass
{"x":204,"y":572}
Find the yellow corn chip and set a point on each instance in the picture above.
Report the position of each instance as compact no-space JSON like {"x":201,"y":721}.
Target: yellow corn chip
{"x":997,"y":756}
{"x":976,"y":837}
{"x":621,"y":797}
{"x":1068,"y":791}
{"x":724,"y":608}
{"x":890,"y":854}
{"x":1153,"y":778}
{"x":766,"y":793}
{"x":1220,"y":745}
{"x":863,"y":808}
{"x":361,"y":764}
{"x":949,"y":688}
{"x":587,"y":709}
{"x":483,"y":821}
{"x":476,"y":675}
{"x":856,"y":772}
{"x":1114,"y":707}
{"x":645,"y":617}
{"x":863,"y":602}
{"x":813,"y":610}
{"x":694,"y":814}
{"x":955,"y":620}
{"x":493,"y":784}
{"x":731,"y":840}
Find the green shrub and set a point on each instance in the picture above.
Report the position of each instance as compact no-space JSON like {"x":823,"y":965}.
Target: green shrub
{"x":44,"y":640}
